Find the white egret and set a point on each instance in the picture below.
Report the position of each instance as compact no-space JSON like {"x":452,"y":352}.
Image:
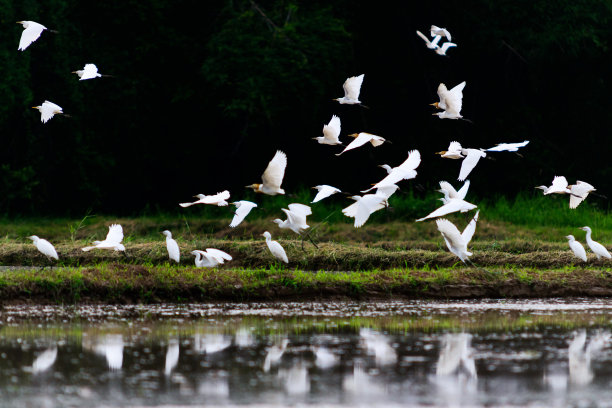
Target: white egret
{"x":174,"y":252}
{"x":352,"y":88}
{"x":272,"y":177}
{"x":48,"y":110}
{"x":296,"y":218}
{"x":579,"y":192}
{"x":598,"y":249}
{"x":331,"y":132}
{"x":558,"y":186}
{"x":433,"y":44}
{"x":275,"y":248}
{"x":210,"y":258}
{"x":453,"y":152}
{"x":243,"y":208}
{"x":445,"y":46}
{"x":324,"y":191}
{"x":455,"y":241}
{"x":361,"y":139}
{"x":452,"y":193}
{"x":508,"y":147}
{"x":366,"y":205}
{"x":219,"y":199}
{"x":451,"y":205}
{"x":31,"y":32}
{"x":454,"y":97}
{"x":405,"y":171}
{"x":45,"y":360}
{"x":472,"y":156}
{"x":89,"y":71}
{"x":435,"y":30}
{"x":44,"y":247}
{"x":112,"y":241}
{"x":577,"y":248}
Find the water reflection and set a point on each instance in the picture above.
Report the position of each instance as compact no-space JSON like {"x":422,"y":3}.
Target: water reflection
{"x":172,"y":356}
{"x":580,"y":354}
{"x":45,"y":360}
{"x":110,"y":346}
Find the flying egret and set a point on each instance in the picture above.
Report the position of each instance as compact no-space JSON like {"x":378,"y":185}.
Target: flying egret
{"x":89,"y":71}
{"x":112,"y":241}
{"x":451,"y":205}
{"x":452,"y":193}
{"x":361,"y":139}
{"x":579,"y":192}
{"x":433,"y":44}
{"x":435,"y":30}
{"x":218,"y":199}
{"x":598,"y":249}
{"x":469,"y":162}
{"x":173,"y":249}
{"x":366,"y":205}
{"x":450,"y":102}
{"x":324,"y":191}
{"x":508,"y":147}
{"x":453,"y":152}
{"x":455,"y":241}
{"x":44,"y":247}
{"x":405,"y":171}
{"x":558,"y":186}
{"x":48,"y":110}
{"x":331,"y":132}
{"x":272,"y":177}
{"x":275,"y":248}
{"x":445,"y":46}
{"x":243,"y":208}
{"x":577,"y":248}
{"x":296,"y":219}
{"x":210,"y":258}
{"x":352,"y":87}
{"x":31,"y":32}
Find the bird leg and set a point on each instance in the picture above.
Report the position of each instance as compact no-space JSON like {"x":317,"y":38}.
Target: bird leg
{"x":364,"y":106}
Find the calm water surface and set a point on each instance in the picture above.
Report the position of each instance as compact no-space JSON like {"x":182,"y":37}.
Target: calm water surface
{"x":486,"y":353}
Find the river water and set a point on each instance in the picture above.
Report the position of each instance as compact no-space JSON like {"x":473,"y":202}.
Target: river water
{"x":539,"y":353}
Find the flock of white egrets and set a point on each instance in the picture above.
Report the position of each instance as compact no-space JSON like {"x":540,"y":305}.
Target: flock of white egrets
{"x":450,"y":103}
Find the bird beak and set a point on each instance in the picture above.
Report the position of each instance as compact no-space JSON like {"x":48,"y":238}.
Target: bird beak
{"x":34,"y":107}
{"x":441,"y":153}
{"x":20,"y":22}
{"x":353,"y":135}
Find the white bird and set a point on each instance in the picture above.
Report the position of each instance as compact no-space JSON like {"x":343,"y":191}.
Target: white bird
{"x":272,"y":177}
{"x":453,"y":152}
{"x":366,"y":205}
{"x":210,"y":258}
{"x":454,"y":97}
{"x":31,"y":32}
{"x":324,"y":191}
{"x":44,"y":247}
{"x":274,"y":354}
{"x":558,"y":186}
{"x":89,"y":71}
{"x":243,"y":208}
{"x":112,"y":241}
{"x":174,"y":252}
{"x":508,"y":147}
{"x":45,"y":360}
{"x":451,"y":205}
{"x":435,"y":30}
{"x":275,"y":248}
{"x":577,"y":248}
{"x":452,"y":193}
{"x":352,"y":88}
{"x":579,"y":193}
{"x":361,"y":139}
{"x":472,"y":156}
{"x":172,"y":356}
{"x":405,"y":171}
{"x":331,"y":132}
{"x":445,"y":46}
{"x":48,"y":110}
{"x":433,"y":44}
{"x":598,"y":249}
{"x":219,"y":199}
{"x":455,"y":241}
{"x":296,"y":218}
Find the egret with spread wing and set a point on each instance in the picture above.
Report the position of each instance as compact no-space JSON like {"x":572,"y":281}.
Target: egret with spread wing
{"x":272,"y":177}
{"x":218,"y":199}
{"x":32,"y":30}
{"x":455,"y":241}
{"x":210,"y":258}
{"x":112,"y":241}
{"x":361,"y":139}
{"x":352,"y":88}
{"x":405,"y":171}
{"x":243,"y":208}
{"x":331,"y":132}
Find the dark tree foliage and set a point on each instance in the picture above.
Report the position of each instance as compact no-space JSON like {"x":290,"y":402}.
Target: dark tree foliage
{"x":204,"y":92}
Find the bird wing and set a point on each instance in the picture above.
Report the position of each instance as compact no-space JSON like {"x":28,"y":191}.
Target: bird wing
{"x":324,"y":192}
{"x":377,"y":140}
{"x":420,"y":34}
{"x":454,"y":147}
{"x":435,"y":41}
{"x":173,"y":249}
{"x":468,"y":232}
{"x":450,"y":232}
{"x":469,"y":162}
{"x":386,"y":191}
{"x":89,"y":71}
{"x":359,"y":141}
{"x":30,"y":34}
{"x":297,"y":213}
{"x":463,"y":190}
{"x":217,"y":198}
{"x":446,"y":46}
{"x":435,"y":30}
{"x":457,"y":90}
{"x":559,"y":184}
{"x":510,"y":147}
{"x":452,"y":206}
{"x":442,"y":91}
{"x":218,"y":254}
{"x":454,"y":100}
{"x":412,"y":162}
{"x":278,"y":251}
{"x":274,"y":173}
{"x":115,"y":234}
{"x":452,"y":193}
{"x":47,"y":248}
{"x":352,"y":87}
{"x":331,"y":131}
{"x":365,"y":206}
{"x":243,"y":208}
{"x":579,"y":192}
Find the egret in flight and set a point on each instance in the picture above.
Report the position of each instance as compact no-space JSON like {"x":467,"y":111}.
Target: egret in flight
{"x":445,"y":46}
{"x":44,"y":247}
{"x":272,"y":177}
{"x":210,"y":258}
{"x":352,"y":88}
{"x":331,"y":132}
{"x":577,"y":248}
{"x":579,"y":193}
{"x":598,"y":249}
{"x":366,"y":205}
{"x":452,"y":193}
{"x":455,"y":241}
{"x":405,"y":171}
{"x":453,"y":152}
{"x":433,"y":44}
{"x":324,"y":191}
{"x":112,"y":241}
{"x":243,"y":208}
{"x":472,"y":156}
{"x":361,"y":139}
{"x":296,"y":218}
{"x":451,"y":205}
{"x":174,"y":252}
{"x":450,"y":102}
{"x":218,"y":199}
{"x":435,"y":30}
{"x":508,"y":147}
{"x":48,"y":110}
{"x":275,"y":248}
{"x":558,"y":186}
{"x":31,"y":32}
{"x":89,"y":71}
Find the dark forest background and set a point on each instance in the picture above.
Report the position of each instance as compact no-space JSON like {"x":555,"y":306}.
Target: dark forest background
{"x":204,"y":93}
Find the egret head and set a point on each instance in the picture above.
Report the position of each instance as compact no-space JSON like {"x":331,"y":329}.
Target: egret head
{"x":167,"y":233}
{"x":255,"y":187}
{"x":33,"y":238}
{"x":353,"y":134}
{"x":587,"y":229}
{"x":277,"y":221}
{"x":570,"y":237}
{"x":436,"y":104}
{"x":443,"y":152}
{"x":267,"y":235}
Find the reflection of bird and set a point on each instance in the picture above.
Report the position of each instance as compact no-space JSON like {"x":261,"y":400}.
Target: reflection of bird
{"x":435,"y":30}
{"x":324,"y":358}
{"x":324,"y":191}
{"x":174,"y":252}
{"x":456,"y":355}
{"x":272,"y":177}
{"x":112,"y":241}
{"x":455,"y":241}
{"x":361,"y":139}
{"x":243,"y":337}
{"x":31,"y":32}
{"x":274,"y":354}
{"x":44,"y":247}
{"x":433,"y":44}
{"x":579,"y":356}
{"x":576,"y":248}
{"x":508,"y":147}
{"x":218,"y":199}
{"x":296,"y":218}
{"x":172,"y":356}
{"x":111,"y":346}
{"x":275,"y":248}
{"x":579,"y":193}
{"x":378,"y":345}
{"x":598,"y":249}
{"x":89,"y":71}
{"x":295,"y":379}
{"x":405,"y":171}
{"x":352,"y":88}
{"x":45,"y":360}
{"x":210,"y":258}
{"x":558,"y":186}
{"x":48,"y":110}
{"x":211,"y":343}
{"x":331,"y":132}
{"x":243,"y":208}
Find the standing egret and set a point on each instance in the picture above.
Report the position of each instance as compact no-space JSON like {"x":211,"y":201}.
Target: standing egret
{"x":218,"y":199}
{"x":44,"y":247}
{"x":243,"y":208}
{"x":352,"y":88}
{"x":453,"y":152}
{"x":272,"y":177}
{"x":469,"y":162}
{"x":405,"y":171}
{"x":31,"y":32}
{"x":577,"y":248}
{"x":275,"y":248}
{"x":48,"y":110}
{"x":455,"y":241}
{"x":173,"y":249}
{"x":112,"y":241}
{"x":454,"y":96}
{"x":579,"y":192}
{"x":435,"y":30}
{"x":451,"y":205}
{"x":598,"y":249}
{"x":324,"y":191}
{"x":331,"y":132}
{"x":89,"y":71}
{"x":508,"y":147}
{"x":558,"y":186}
{"x":445,"y":46}
{"x":433,"y":44}
{"x":210,"y":258}
{"x":361,"y":139}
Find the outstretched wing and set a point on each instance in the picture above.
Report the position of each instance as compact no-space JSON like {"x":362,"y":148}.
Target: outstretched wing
{"x":89,"y":71}
{"x":420,"y":34}
{"x":450,"y":232}
{"x":468,"y":232}
{"x":218,"y":254}
{"x":454,"y":147}
{"x":359,"y":141}
{"x":30,"y":34}
{"x":446,"y":46}
{"x":451,"y":207}
{"x":352,"y":87}
{"x":412,"y":162}
{"x":446,"y":186}
{"x":115,"y":234}
{"x":469,"y":162}
{"x":331,"y":131}
{"x":365,"y":207}
{"x":243,"y":208}
{"x":324,"y":192}
{"x":274,"y":173}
